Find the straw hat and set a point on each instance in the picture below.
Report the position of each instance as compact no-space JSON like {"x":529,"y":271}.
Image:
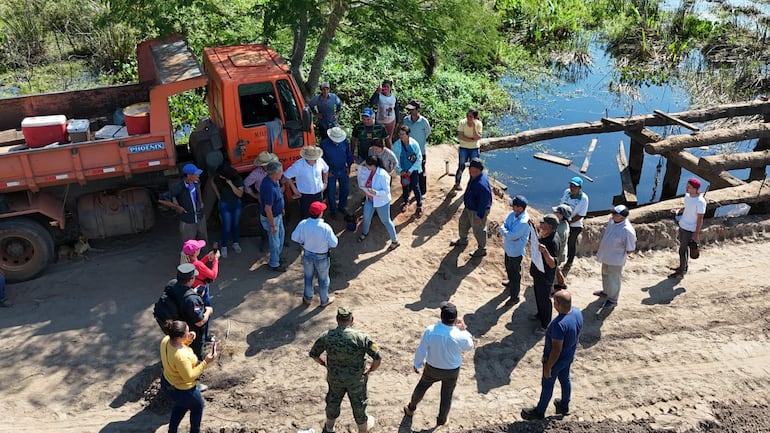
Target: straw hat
{"x":336,"y":134}
{"x":311,"y":153}
{"x":264,"y":158}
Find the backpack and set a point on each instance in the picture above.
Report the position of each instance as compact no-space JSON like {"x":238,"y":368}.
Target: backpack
{"x":169,"y":308}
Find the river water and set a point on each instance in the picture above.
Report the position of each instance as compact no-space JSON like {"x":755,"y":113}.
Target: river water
{"x":585,"y":96}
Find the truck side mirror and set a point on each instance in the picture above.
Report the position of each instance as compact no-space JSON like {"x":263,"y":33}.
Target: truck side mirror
{"x":307,"y":119}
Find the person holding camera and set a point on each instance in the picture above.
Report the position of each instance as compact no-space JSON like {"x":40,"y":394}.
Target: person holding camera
{"x":206,"y":271}
{"x":409,"y":157}
{"x":388,"y":111}
{"x":192,"y":309}
{"x":440,"y":352}
{"x":181,"y":370}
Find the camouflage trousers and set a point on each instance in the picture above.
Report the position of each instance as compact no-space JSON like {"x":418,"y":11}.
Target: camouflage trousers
{"x":357,"y":394}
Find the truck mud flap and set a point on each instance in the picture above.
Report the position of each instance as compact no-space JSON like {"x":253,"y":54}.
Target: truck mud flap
{"x":128,"y":211}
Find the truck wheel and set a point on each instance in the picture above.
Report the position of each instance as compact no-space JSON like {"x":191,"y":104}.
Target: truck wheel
{"x":26,"y":249}
{"x":250,"y":223}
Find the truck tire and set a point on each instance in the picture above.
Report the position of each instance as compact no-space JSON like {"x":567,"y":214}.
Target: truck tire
{"x":26,"y":248}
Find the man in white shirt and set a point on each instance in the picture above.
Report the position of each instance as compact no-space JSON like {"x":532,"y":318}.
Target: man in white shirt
{"x":316,"y":238}
{"x":309,"y":178}
{"x":689,"y":224}
{"x":618,"y":242}
{"x":578,"y":201}
{"x":440,"y":351}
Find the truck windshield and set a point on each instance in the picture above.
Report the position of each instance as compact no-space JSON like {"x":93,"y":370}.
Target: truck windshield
{"x":258,"y":104}
{"x":291,"y":113}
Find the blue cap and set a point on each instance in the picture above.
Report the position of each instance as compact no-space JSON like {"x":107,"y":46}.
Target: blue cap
{"x":519,"y":200}
{"x":191,"y":169}
{"x":577,"y":181}
{"x":368,"y":112}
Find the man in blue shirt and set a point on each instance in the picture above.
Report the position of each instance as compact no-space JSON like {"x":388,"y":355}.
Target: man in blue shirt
{"x":515,"y":231}
{"x":339,"y":158}
{"x":186,"y":199}
{"x":316,"y":238}
{"x":440,"y":352}
{"x":326,"y":106}
{"x":477,"y":200}
{"x":271,"y":205}
{"x":561,"y":340}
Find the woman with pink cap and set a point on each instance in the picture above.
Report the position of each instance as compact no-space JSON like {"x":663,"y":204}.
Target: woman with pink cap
{"x":208,"y":269}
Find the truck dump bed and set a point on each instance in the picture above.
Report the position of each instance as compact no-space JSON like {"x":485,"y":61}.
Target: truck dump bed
{"x":165,"y":68}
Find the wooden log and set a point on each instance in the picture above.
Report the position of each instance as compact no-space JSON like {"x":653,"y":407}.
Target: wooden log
{"x":629,"y":190}
{"x":732,"y":161}
{"x":589,"y":152}
{"x":716,"y":180}
{"x":670,"y":180}
{"x":635,"y":161}
{"x":751,"y":193}
{"x":726,"y":135}
{"x":11,"y":137}
{"x":749,"y":108}
{"x":677,"y":120}
{"x":759,"y":173}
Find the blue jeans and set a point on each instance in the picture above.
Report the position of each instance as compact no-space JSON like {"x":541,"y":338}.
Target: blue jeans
{"x":275,"y":239}
{"x":344,"y":190}
{"x":316,"y":264}
{"x":2,"y":287}
{"x":384,"y":213}
{"x":184,"y":400}
{"x":465,"y":156}
{"x":414,"y":185}
{"x":230,"y":212}
{"x":559,"y":371}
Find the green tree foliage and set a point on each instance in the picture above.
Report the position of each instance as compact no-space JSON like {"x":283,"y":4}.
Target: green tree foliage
{"x":427,"y":30}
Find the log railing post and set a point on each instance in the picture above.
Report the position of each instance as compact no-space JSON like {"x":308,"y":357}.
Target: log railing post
{"x":758,"y":173}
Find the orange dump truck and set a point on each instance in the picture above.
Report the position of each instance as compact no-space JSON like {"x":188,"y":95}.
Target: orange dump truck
{"x":101,"y":179}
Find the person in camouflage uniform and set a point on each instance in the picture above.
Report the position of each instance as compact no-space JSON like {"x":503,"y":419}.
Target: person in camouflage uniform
{"x":346,"y":349}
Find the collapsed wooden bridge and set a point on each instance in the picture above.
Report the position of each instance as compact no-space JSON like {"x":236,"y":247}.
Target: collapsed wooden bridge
{"x":714,"y":169}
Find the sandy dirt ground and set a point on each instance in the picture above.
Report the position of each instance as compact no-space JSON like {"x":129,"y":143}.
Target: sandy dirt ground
{"x":80,"y":346}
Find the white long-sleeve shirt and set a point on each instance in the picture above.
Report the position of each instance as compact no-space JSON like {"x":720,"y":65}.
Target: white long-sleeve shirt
{"x":441,"y":346}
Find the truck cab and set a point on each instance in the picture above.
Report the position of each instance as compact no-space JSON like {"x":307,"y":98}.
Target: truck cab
{"x":255,"y":104}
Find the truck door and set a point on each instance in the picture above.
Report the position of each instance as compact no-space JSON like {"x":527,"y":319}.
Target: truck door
{"x":291,"y":114}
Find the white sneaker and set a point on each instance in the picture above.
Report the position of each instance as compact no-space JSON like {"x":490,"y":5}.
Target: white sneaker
{"x":223,"y":252}
{"x":237,"y":247}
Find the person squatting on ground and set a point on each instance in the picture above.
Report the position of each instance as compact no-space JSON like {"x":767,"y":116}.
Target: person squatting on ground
{"x":229,"y":188}
{"x":420,"y":131}
{"x":339,"y":158}
{"x":388,"y":111}
{"x":308,"y":178}
{"x":689,"y":224}
{"x":191,"y":306}
{"x":561,"y":340}
{"x":409,"y":159}
{"x":271,"y":206}
{"x":542,"y":281}
{"x":515,"y":231}
{"x":346,"y":370}
{"x":469,"y":134}
{"x":578,"y":201}
{"x":477,"y":200}
{"x":563,"y":212}
{"x":181,"y":370}
{"x":316,"y":238}
{"x":364,"y":132}
{"x":618,"y":242}
{"x":186,"y":198}
{"x":206,"y":271}
{"x":327,"y":107}
{"x":440,"y":352}
{"x":374,"y":181}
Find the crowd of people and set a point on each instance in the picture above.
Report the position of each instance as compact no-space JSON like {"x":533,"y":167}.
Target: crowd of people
{"x":385,"y":145}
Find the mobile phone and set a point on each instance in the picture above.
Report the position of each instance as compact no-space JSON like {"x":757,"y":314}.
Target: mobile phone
{"x":214,"y":346}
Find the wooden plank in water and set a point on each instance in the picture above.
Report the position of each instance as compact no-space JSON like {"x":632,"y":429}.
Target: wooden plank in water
{"x":629,"y":191}
{"x":591,"y":148}
{"x":553,"y":159}
{"x":677,"y":120}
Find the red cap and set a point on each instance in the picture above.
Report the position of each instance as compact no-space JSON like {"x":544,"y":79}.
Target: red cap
{"x":695,"y":183}
{"x":317,"y":208}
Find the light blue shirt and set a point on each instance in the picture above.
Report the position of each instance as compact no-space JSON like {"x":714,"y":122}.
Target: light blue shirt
{"x":618,"y":240}
{"x":441,"y":347}
{"x":401,"y":156}
{"x":419,"y":130}
{"x":314,"y":235}
{"x":515,"y":231}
